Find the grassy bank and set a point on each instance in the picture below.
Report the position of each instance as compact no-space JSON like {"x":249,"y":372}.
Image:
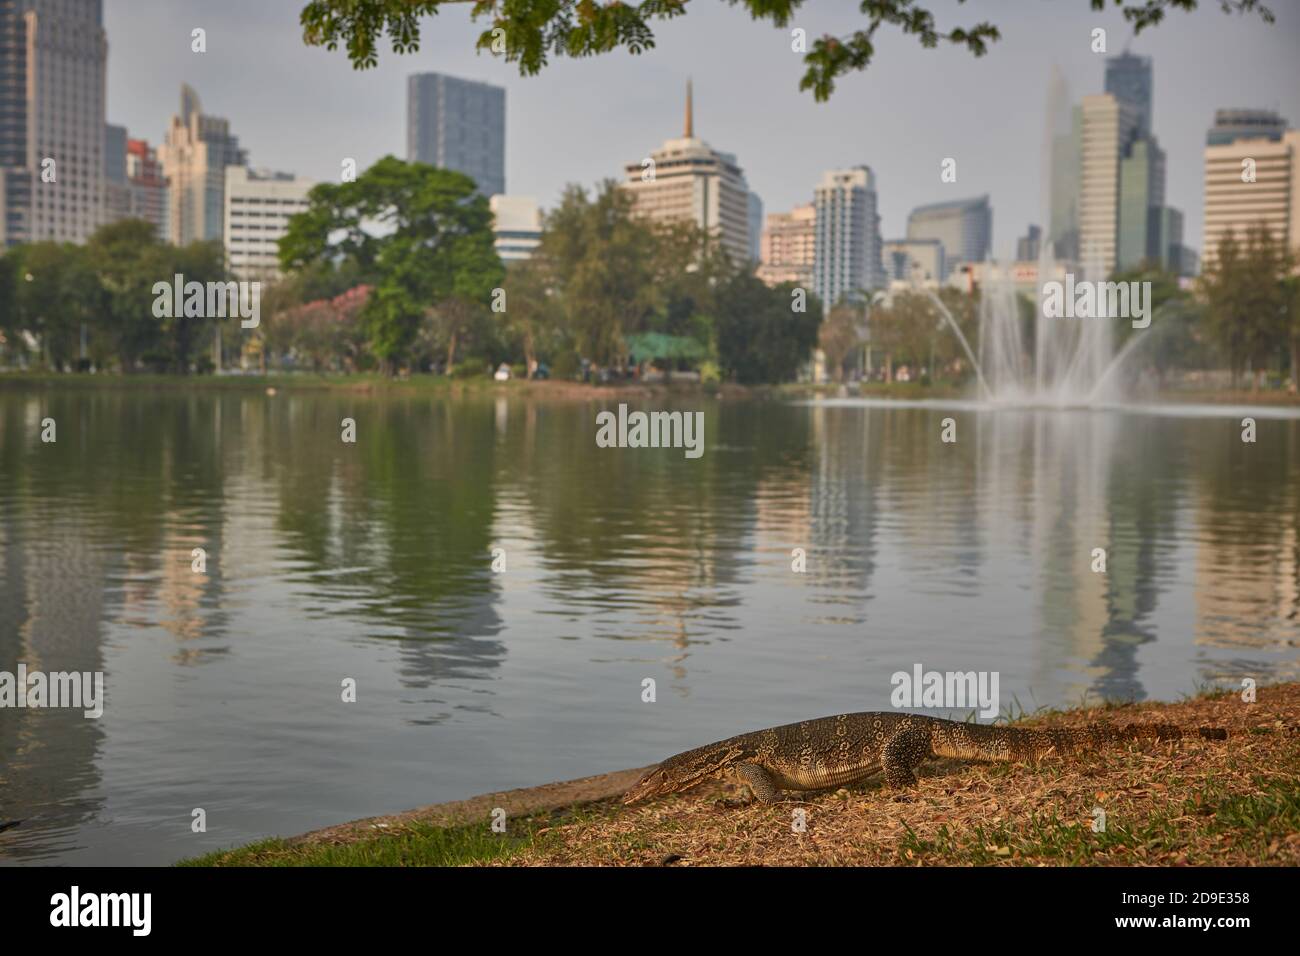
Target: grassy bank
{"x":1196,"y":802}
{"x":365,"y":382}
{"x":562,"y":388}
{"x":305,"y":381}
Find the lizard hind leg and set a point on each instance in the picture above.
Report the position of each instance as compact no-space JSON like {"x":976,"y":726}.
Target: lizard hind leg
{"x":902,"y":754}
{"x":759,"y":781}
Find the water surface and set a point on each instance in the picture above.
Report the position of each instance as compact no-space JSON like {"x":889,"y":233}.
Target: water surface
{"x":373,"y":561}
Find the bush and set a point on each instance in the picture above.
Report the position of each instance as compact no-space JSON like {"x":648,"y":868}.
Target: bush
{"x":473,"y":368}
{"x":566,"y":365}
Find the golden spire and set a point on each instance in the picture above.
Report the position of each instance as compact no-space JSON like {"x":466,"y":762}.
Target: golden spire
{"x":690,"y":117}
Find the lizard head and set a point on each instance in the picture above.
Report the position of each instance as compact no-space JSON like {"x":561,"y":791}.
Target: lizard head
{"x":652,"y":783}
{"x":679,"y":773}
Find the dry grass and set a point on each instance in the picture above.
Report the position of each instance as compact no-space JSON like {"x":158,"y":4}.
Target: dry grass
{"x":1229,"y":803}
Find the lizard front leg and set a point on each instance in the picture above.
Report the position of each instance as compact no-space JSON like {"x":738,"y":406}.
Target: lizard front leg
{"x":759,"y":781}
{"x":903,"y":753}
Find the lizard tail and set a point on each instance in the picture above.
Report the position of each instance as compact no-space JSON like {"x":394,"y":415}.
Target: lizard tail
{"x":971,"y":741}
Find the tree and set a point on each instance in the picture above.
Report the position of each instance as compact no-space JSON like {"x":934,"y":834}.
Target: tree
{"x":839,"y":335}
{"x":8,"y":298}
{"x":603,"y":268}
{"x":1291,"y":298}
{"x":421,"y":236}
{"x":57,"y":294}
{"x":965,"y":310}
{"x":530,"y":309}
{"x":529,"y":32}
{"x":463,"y":315}
{"x":1246,"y":298}
{"x":182,"y":338}
{"x":129,"y":258}
{"x":760,"y":336}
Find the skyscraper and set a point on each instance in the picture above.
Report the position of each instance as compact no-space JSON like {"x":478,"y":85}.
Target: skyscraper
{"x":458,"y":124}
{"x":1141,"y":206}
{"x":1107,"y":130}
{"x":687,"y":180}
{"x":848,"y":247}
{"x":1064,"y":123}
{"x":1251,"y":178}
{"x":1129,"y":80}
{"x":194,"y":157}
{"x":1029,"y":245}
{"x":1144,"y":223}
{"x":53,"y":55}
{"x":117,"y":191}
{"x":963,"y":226}
{"x":15,"y":177}
{"x":1233,"y":124}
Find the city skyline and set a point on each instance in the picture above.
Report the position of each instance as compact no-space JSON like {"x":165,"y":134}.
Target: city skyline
{"x":746,"y":83}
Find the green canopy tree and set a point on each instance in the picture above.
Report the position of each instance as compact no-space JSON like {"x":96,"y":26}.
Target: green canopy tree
{"x":128,"y":258}
{"x":8,"y":299}
{"x":1246,"y":298}
{"x":1291,"y":300}
{"x":761,"y":335}
{"x":531,"y":309}
{"x":530,"y":32}
{"x":181,"y":340}
{"x":57,"y":293}
{"x":603,"y":264}
{"x":839,"y":335}
{"x":420,"y":235}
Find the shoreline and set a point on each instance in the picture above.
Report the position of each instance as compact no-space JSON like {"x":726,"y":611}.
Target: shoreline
{"x":1191,"y":802}
{"x":370,"y":383}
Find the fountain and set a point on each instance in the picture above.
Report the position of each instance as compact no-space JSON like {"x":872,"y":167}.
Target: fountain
{"x":1074,"y":362}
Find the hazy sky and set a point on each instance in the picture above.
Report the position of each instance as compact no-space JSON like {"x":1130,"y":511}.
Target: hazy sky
{"x":303,"y":109}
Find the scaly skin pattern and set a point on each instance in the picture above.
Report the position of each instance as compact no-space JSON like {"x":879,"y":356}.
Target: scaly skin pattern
{"x":848,"y":748}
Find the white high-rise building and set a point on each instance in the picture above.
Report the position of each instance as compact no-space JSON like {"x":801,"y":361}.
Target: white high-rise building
{"x":53,"y":57}
{"x":516,"y":227}
{"x":258,"y":204}
{"x":1107,"y":128}
{"x":847,"y":258}
{"x":686,"y":180}
{"x":1240,"y":194}
{"x":194,"y":158}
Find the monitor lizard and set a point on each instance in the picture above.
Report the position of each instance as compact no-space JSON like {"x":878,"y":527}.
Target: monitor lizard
{"x":849,"y":748}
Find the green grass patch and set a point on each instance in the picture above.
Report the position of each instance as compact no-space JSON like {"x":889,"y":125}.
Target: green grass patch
{"x":1255,"y":821}
{"x":408,"y":844}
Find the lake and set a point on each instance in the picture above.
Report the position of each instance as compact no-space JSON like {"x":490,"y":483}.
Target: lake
{"x":374,"y":561}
